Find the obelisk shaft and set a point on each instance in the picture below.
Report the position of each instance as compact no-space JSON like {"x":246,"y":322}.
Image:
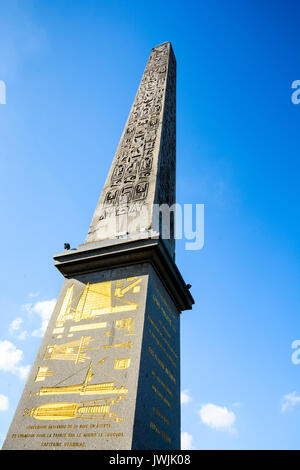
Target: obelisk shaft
{"x":143,"y":170}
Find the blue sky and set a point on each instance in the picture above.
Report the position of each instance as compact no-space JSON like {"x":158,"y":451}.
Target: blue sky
{"x":71,"y":71}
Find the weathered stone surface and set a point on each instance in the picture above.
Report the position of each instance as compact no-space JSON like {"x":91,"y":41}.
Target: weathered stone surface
{"x":81,"y":391}
{"x":158,"y":393}
{"x":143,"y":169}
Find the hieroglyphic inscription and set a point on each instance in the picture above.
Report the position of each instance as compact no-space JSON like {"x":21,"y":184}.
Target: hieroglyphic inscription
{"x":133,"y":163}
{"x":143,"y":169}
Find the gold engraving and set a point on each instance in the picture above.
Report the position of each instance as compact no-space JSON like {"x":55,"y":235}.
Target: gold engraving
{"x":125,"y":324}
{"x":162,"y":383}
{"x":84,"y":388}
{"x":57,"y":331}
{"x":158,"y":413}
{"x":164,"y":328}
{"x":98,"y":409}
{"x":161,"y":364}
{"x":120,"y":345}
{"x":161,"y":396}
{"x":165,"y":302}
{"x":161,"y":433}
{"x":42,"y":373}
{"x":66,"y":306}
{"x":162,"y":336}
{"x":88,"y":326}
{"x":122,"y":363}
{"x":95,"y":300}
{"x":119,"y":291}
{"x":167,"y":318}
{"x":72,"y":351}
{"x":170,"y":375}
{"x":162,"y":347}
{"x":77,"y":350}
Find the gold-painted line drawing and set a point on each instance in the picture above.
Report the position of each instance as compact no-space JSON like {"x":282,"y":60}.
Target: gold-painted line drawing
{"x":76,"y":351}
{"x":58,"y":331}
{"x":120,"y":345}
{"x":66,"y":305}
{"x":72,"y":351}
{"x":88,"y":326}
{"x":93,"y":409}
{"x":95,"y":300}
{"x":42,"y":373}
{"x":125,"y":324}
{"x":122,"y":363}
{"x":119,"y":291}
{"x":84,"y":388}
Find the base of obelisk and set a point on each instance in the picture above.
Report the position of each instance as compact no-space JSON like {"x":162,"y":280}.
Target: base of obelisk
{"x":107,"y":374}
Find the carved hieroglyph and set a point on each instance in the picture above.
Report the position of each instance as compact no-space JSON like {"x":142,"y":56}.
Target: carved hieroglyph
{"x":143,"y":169}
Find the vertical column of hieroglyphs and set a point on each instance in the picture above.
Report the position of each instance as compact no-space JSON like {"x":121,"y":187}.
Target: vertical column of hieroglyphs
{"x":81,"y":389}
{"x":150,"y":129}
{"x":166,"y":178}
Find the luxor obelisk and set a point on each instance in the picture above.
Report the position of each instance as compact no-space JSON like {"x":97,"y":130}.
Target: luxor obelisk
{"x":107,"y":374}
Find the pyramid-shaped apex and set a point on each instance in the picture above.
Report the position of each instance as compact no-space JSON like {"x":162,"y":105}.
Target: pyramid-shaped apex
{"x":162,"y":44}
{"x":166,"y":43}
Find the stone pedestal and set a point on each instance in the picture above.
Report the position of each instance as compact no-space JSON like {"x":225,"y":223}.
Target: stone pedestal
{"x":107,"y":374}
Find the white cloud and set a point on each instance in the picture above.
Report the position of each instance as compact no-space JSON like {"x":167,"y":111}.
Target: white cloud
{"x":44,"y":309}
{"x":15,"y":324}
{"x":217,"y":417}
{"x":185,"y":397}
{"x":10,"y":357}
{"x":4,"y":403}
{"x":290,"y":400}
{"x":15,"y":327}
{"x":23,"y":335}
{"x":23,"y":371}
{"x":186,"y":441}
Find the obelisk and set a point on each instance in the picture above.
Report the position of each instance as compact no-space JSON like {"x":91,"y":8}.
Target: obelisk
{"x":107,"y":374}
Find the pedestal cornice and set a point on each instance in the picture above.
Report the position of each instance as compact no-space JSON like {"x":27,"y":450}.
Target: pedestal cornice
{"x":93,"y":257}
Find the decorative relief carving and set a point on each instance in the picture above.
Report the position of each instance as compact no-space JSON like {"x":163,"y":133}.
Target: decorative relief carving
{"x":103,"y":298}
{"x":143,"y":141}
{"x":134,"y":160}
